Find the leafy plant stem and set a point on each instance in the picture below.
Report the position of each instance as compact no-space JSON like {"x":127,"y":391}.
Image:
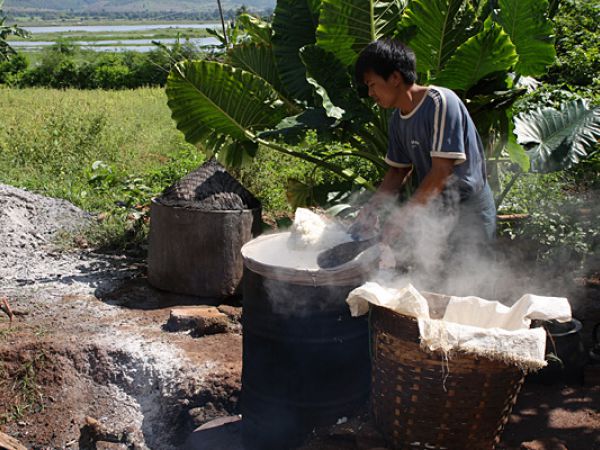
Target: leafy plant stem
{"x":507,"y":189}
{"x":344,"y":173}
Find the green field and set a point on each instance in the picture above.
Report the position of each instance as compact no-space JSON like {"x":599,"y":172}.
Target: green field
{"x":51,"y":142}
{"x":74,"y":36}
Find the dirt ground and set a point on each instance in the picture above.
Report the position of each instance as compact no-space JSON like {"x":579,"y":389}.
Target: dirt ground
{"x":87,"y":361}
{"x":83,"y":357}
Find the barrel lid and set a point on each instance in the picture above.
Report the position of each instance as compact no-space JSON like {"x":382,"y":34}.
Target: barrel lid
{"x":271,"y":257}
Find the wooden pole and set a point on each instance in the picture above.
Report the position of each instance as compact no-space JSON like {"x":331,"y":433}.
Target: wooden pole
{"x":222,"y":21}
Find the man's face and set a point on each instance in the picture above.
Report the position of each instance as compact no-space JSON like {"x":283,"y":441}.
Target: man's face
{"x":384,"y":92}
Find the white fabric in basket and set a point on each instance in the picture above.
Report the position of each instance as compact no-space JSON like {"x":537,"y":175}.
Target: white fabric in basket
{"x":472,"y":324}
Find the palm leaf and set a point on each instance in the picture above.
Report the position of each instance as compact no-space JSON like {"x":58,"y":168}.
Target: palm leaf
{"x":294,"y":25}
{"x":440,"y":26}
{"x":558,"y":139}
{"x":526,"y":23}
{"x":208,"y":98}
{"x":488,"y":51}
{"x":347,"y":26}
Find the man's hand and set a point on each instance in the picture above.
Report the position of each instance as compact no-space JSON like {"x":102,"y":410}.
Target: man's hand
{"x":366,"y":224}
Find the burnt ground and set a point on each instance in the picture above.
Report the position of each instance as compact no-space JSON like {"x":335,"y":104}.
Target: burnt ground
{"x":110,"y":359}
{"x":87,"y":362}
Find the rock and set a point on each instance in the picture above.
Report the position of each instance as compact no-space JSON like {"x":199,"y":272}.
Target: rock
{"x":95,"y":435}
{"x":544,"y":444}
{"x":233,"y":312}
{"x":200,"y":416}
{"x":10,"y":443}
{"x":103,"y":445}
{"x":202,"y":320}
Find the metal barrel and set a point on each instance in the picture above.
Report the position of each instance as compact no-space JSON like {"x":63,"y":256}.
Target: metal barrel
{"x":305,"y":359}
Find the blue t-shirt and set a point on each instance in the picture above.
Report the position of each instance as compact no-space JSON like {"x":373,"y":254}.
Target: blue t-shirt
{"x":440,"y":127}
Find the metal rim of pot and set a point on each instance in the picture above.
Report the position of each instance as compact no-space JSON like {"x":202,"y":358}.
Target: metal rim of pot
{"x":342,"y":275}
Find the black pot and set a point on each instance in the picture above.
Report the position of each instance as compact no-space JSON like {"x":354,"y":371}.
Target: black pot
{"x":565,"y":353}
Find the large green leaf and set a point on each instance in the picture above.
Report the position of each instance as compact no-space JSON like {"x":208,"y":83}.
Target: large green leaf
{"x":530,"y":31}
{"x":334,"y":84}
{"x":488,"y":51}
{"x":347,"y":26}
{"x":237,"y":153}
{"x":294,"y":25}
{"x":440,"y":26}
{"x":558,"y":139}
{"x":259,"y":60}
{"x":293,"y":129}
{"x":208,"y":98}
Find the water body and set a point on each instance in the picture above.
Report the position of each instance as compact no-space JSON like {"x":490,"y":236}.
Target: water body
{"x":138,"y":45}
{"x":118,"y":28}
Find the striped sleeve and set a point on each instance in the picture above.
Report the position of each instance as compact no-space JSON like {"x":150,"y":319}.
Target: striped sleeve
{"x":448,"y":126}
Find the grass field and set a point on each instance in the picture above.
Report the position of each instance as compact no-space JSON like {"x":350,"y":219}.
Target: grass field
{"x":76,"y":36}
{"x":111,"y":151}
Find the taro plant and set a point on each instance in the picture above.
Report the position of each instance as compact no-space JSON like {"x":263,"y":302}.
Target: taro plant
{"x":556,"y":139}
{"x":295,"y":73}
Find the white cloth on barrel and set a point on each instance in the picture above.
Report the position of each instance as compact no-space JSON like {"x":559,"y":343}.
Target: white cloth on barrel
{"x":471,"y":324}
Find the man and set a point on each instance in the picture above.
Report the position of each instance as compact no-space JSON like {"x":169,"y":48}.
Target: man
{"x":432,"y":137}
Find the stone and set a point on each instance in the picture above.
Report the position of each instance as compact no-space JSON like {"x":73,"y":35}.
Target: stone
{"x":103,"y":445}
{"x":233,"y":312}
{"x":201,"y":415}
{"x":544,"y":444}
{"x":201,"y":320}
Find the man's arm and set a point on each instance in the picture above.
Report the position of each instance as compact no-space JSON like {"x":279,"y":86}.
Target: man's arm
{"x":431,"y":186}
{"x":435,"y":181}
{"x":392,"y":182}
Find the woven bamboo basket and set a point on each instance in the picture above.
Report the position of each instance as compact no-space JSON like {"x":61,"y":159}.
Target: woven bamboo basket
{"x":421,"y":401}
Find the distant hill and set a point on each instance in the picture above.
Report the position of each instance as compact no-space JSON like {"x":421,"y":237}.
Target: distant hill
{"x":124,"y":6}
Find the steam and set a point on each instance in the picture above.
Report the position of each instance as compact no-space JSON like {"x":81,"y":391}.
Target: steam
{"x":438,"y":251}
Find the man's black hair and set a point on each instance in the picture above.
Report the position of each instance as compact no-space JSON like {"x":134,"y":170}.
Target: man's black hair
{"x":385,"y":56}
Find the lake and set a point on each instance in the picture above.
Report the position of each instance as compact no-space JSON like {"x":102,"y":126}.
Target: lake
{"x":103,"y":41}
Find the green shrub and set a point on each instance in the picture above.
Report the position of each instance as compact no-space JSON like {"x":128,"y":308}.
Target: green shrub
{"x":561,"y":219}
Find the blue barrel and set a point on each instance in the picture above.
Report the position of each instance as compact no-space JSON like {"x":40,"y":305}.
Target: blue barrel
{"x":305,"y":359}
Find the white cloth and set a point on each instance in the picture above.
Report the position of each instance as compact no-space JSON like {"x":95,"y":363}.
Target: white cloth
{"x":407,"y":300}
{"x":472,"y":324}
